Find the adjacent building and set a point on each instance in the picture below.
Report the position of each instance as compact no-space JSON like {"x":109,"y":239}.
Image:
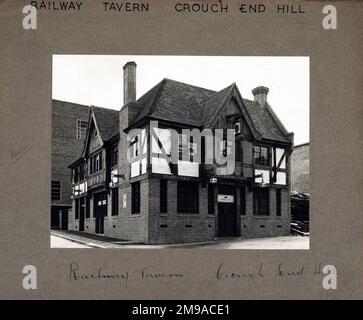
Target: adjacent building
{"x":300,"y":168}
{"x":69,"y":126}
{"x":123,"y":185}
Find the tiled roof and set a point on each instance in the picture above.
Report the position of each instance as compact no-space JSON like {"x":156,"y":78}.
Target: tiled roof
{"x":183,"y":103}
{"x":107,"y":121}
{"x":264,"y":121}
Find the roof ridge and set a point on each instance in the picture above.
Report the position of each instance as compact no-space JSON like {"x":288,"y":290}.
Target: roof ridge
{"x":103,"y":108}
{"x":161,"y":85}
{"x":223,"y":101}
{"x":190,"y":85}
{"x":64,"y":101}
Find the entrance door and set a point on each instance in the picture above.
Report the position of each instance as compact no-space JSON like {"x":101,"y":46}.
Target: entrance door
{"x":100,"y":207}
{"x":81,"y":213}
{"x":64,"y":219}
{"x":227,"y":217}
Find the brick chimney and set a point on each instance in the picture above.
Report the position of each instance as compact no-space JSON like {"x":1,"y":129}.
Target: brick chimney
{"x":129,"y":82}
{"x":260,"y":94}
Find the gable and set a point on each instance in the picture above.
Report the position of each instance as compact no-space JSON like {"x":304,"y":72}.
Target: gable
{"x":93,"y":139}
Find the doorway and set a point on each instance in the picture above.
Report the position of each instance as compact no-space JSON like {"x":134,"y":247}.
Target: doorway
{"x":82,"y":204}
{"x":100,"y":210}
{"x":227,"y":216}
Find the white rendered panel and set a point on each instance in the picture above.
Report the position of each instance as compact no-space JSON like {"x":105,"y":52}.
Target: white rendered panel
{"x":135,"y":168}
{"x":279,"y":154}
{"x":187,"y":168}
{"x":160,"y":165}
{"x":281,"y":178}
{"x":266,"y":176}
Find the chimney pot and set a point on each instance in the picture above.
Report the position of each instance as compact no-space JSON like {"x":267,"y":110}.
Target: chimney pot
{"x":260,"y":94}
{"x":129,"y":82}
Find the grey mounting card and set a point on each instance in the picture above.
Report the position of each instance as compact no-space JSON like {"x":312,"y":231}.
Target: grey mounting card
{"x":181,"y":150}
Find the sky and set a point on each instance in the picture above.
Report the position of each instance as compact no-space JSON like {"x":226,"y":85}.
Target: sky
{"x":98,"y":80}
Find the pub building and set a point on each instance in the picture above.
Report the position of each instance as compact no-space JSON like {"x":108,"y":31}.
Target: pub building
{"x":125,"y":188}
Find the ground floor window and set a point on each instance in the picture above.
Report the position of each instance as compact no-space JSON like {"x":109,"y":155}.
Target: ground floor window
{"x":114,"y":195}
{"x":211,"y":198}
{"x":88,"y":207}
{"x":135,"y":197}
{"x":188,"y":201}
{"x":278,"y":202}
{"x":243,"y":200}
{"x":163,"y":196}
{"x":261,"y":201}
{"x":76,"y":211}
{"x":55,"y":190}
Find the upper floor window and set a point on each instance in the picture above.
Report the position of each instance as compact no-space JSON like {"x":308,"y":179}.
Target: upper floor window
{"x":237,"y":127}
{"x":225,"y":147}
{"x":262,"y":156}
{"x":78,"y":173}
{"x":81,"y":128}
{"x":187,"y":147}
{"x":114,"y":156}
{"x":55,"y":190}
{"x":134,"y":147}
{"x":95,"y":163}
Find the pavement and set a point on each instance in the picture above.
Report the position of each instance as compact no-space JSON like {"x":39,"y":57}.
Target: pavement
{"x":74,"y":239}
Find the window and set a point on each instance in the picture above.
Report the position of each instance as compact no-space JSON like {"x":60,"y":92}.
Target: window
{"x":55,"y":190}
{"x":76,"y":212}
{"x":134,"y":146}
{"x":262,"y":155}
{"x":225,"y":147}
{"x":243,"y":200}
{"x":238,"y":151}
{"x":95,"y":163}
{"x":114,"y":195}
{"x":261,"y":201}
{"x":81,"y":128}
{"x":278,"y":202}
{"x":187,"y":197}
{"x":78,"y":173}
{"x":187,"y":147}
{"x":88,"y":207}
{"x":163,"y":196}
{"x":135,"y":197}
{"x":237,"y":127}
{"x":210,"y":198}
{"x":114,"y":156}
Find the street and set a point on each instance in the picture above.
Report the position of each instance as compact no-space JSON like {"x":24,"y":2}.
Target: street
{"x":64,"y":239}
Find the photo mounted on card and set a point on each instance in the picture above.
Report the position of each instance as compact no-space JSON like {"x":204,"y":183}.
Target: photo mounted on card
{"x":181,"y":150}
{"x":192,"y":146}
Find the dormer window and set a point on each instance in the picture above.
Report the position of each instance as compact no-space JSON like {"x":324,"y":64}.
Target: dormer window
{"x":262,"y":156}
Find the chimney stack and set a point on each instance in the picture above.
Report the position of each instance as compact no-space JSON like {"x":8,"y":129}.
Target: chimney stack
{"x":129,"y":82}
{"x":260,"y":94}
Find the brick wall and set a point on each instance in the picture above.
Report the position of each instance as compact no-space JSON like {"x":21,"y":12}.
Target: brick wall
{"x":65,"y":146}
{"x":254,"y":226}
{"x":300,"y":168}
{"x":173,"y":227}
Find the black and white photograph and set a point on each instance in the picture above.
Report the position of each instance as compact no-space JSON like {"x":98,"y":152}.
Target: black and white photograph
{"x":180,"y":152}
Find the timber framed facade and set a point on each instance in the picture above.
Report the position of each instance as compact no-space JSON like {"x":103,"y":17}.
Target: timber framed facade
{"x":125,"y":188}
